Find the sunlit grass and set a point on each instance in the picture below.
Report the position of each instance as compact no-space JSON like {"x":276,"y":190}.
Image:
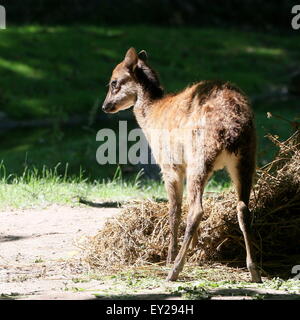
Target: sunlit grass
{"x":20,"y":68}
{"x":69,"y":66}
{"x":36,"y":188}
{"x":41,"y":188}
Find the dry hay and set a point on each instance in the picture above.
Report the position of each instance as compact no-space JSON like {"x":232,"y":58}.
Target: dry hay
{"x":140,"y":235}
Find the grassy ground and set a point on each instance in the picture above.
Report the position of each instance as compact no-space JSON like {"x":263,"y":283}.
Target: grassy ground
{"x":59,"y":71}
{"x":216,"y":282}
{"x":41,"y":188}
{"x":197,"y":283}
{"x":36,"y":188}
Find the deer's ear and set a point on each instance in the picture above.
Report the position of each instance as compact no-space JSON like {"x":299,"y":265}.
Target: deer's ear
{"x":131,"y":59}
{"x":143,"y":55}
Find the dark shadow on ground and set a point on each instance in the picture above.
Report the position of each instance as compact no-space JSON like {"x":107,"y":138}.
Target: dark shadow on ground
{"x":254,"y":293}
{"x":106,"y":204}
{"x":218,"y":294}
{"x":12,"y":238}
{"x":139,"y":297}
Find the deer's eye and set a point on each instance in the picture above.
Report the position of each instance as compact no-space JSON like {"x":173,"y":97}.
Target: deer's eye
{"x":113,"y":84}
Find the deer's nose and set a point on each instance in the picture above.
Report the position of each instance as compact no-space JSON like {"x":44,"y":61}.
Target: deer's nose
{"x":108,"y":107}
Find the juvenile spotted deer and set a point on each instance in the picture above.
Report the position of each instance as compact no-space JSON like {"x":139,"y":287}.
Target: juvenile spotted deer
{"x":210,"y":125}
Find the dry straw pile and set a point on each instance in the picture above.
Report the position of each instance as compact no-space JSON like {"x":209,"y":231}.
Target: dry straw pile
{"x":140,"y":235}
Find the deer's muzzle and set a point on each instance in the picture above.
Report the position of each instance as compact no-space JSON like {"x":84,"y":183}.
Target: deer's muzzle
{"x":108,"y":107}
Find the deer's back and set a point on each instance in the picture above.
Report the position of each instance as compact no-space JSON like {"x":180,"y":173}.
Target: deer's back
{"x":218,"y":111}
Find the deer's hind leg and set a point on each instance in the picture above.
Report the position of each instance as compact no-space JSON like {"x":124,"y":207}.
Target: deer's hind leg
{"x":173,"y":176}
{"x":241,"y":171}
{"x":196,"y":181}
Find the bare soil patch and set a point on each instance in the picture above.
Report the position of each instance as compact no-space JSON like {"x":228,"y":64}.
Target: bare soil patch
{"x":38,"y":251}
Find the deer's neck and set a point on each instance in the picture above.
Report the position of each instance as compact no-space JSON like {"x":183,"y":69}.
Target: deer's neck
{"x":142,"y":107}
{"x":149,"y":92}
{"x":146,"y":101}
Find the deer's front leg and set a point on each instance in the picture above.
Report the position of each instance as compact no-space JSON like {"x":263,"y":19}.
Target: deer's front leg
{"x":173,"y":178}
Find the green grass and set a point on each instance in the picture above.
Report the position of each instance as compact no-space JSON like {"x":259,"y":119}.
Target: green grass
{"x":46,"y":70}
{"x":36,"y":188}
{"x":41,"y":188}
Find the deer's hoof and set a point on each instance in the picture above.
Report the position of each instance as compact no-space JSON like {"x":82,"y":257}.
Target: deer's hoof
{"x":172,"y":276}
{"x":255,"y":274}
{"x":256,"y":279}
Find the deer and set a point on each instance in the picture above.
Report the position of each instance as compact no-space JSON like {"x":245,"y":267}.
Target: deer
{"x":214,"y":129}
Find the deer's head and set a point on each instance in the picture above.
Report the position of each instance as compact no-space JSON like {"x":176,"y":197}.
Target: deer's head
{"x":129,"y":78}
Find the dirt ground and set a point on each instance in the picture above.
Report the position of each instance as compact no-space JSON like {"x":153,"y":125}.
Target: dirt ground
{"x":40,"y":257}
{"x":39,"y":254}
